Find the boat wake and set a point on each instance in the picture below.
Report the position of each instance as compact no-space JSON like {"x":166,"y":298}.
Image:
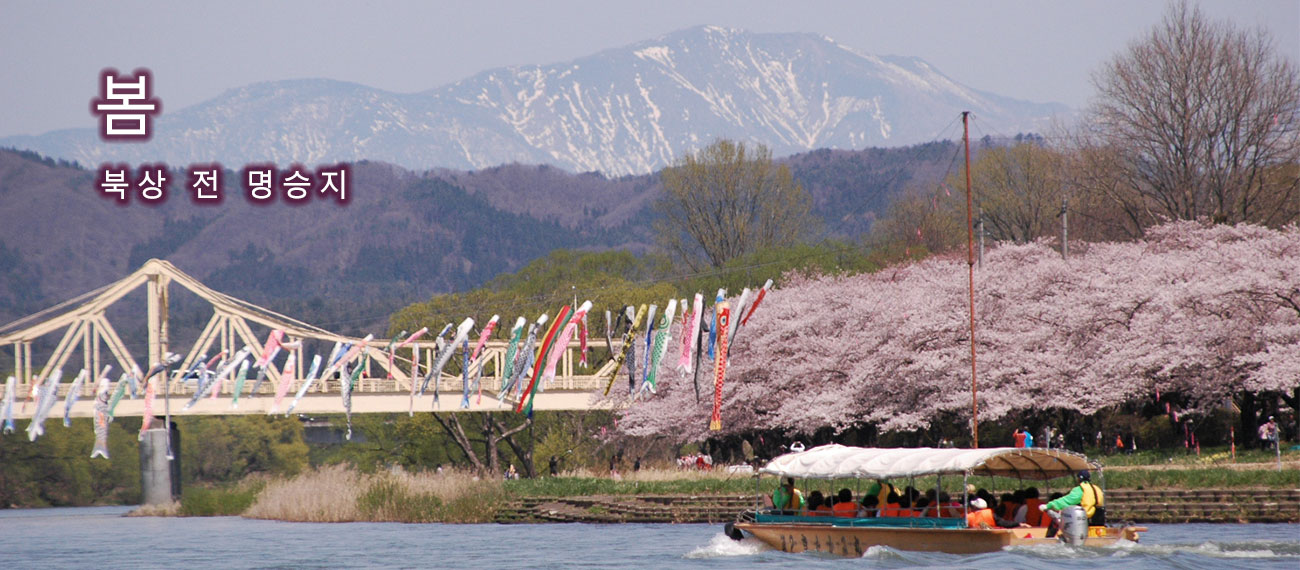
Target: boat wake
{"x":886,"y":557}
{"x":723,"y":546}
{"x":883,"y":553}
{"x":1207,"y":549}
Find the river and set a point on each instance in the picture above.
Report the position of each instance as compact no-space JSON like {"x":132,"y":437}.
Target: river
{"x":87,"y":537}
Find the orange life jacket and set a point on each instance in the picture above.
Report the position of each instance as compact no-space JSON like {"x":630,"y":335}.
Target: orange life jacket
{"x":1033,"y":516}
{"x":848,"y":509}
{"x":1009,"y":509}
{"x":982,"y":516}
{"x":891,"y":510}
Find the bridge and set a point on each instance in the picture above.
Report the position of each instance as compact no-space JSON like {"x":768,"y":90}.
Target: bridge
{"x":89,"y":336}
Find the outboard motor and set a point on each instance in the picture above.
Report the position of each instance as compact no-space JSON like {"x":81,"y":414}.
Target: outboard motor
{"x":1074,"y":525}
{"x":732,"y":532}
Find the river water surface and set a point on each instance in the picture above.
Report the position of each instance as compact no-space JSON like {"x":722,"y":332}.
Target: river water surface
{"x":101,"y":537}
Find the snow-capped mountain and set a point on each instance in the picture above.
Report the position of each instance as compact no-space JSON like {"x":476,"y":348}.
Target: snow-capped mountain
{"x":622,"y":111}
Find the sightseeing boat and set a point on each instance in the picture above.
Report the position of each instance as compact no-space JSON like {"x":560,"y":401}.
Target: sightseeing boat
{"x":852,"y":536}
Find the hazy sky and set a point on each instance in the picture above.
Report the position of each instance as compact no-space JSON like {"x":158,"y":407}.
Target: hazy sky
{"x":52,"y":52}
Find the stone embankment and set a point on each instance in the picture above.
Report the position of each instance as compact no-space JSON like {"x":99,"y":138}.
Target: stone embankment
{"x":1204,"y":505}
{"x":627,"y":509}
{"x":1141,"y":506}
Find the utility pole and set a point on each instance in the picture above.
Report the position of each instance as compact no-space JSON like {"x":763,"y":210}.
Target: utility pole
{"x":970,"y":264}
{"x":1065,"y":231}
{"x":980,"y":263}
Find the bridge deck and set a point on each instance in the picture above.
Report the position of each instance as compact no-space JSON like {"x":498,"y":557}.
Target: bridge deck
{"x":373,"y":395}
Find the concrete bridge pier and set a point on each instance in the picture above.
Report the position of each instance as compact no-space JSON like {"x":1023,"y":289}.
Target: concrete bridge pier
{"x":160,"y":473}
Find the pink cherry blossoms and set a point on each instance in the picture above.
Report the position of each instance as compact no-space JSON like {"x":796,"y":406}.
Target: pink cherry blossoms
{"x":1198,"y":310}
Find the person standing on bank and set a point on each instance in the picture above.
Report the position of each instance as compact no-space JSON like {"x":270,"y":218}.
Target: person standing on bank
{"x":1085,"y":495}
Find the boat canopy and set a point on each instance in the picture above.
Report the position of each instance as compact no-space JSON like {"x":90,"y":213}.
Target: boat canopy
{"x":836,"y":461}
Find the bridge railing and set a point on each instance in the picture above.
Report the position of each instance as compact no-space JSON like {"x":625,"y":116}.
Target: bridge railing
{"x":569,"y":375}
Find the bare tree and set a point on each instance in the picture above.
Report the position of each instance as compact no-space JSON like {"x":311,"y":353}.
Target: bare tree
{"x":921,"y":218}
{"x":1019,"y":190}
{"x":726,"y":201}
{"x":1103,"y":197}
{"x":494,"y":433}
{"x":1200,"y":119}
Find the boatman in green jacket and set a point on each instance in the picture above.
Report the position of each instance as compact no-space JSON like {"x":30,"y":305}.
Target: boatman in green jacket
{"x":786,"y":497}
{"x":1086,"y":495}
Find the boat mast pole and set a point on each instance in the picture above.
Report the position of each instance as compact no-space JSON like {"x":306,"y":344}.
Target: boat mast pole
{"x":970,"y":263}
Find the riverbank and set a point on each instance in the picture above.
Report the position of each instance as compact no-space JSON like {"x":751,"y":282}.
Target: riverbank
{"x":344,"y":494}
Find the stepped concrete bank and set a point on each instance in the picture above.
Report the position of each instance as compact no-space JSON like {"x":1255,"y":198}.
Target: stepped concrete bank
{"x":1141,"y":506}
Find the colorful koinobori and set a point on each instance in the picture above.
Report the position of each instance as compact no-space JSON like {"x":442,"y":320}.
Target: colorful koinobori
{"x":532,"y":355}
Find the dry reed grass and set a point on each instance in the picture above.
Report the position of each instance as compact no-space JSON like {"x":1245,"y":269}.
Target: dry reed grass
{"x":341,"y":494}
{"x":449,"y":485}
{"x":328,"y":494}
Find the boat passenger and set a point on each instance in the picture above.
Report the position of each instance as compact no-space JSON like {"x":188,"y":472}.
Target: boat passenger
{"x":813,"y":507}
{"x":921,"y":508}
{"x":905,"y":505}
{"x":844,"y":505}
{"x":911,"y":493}
{"x":952,"y":509}
{"x":892,"y":507}
{"x":1085,"y":495}
{"x":1007,"y":505}
{"x":987,"y":496}
{"x":825,"y":510}
{"x":1051,"y":519}
{"x":981,"y":516}
{"x":870,"y":506}
{"x":881,"y":489}
{"x":873,"y":488}
{"x":1029,"y":512}
{"x":787,"y":497}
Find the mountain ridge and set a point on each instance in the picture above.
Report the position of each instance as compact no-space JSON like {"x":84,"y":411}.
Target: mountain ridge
{"x":621,"y":111}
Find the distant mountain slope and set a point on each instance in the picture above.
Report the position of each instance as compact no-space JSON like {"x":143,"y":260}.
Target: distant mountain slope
{"x":630,"y":110}
{"x":403,"y":237}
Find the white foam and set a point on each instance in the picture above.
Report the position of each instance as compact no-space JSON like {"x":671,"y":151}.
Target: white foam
{"x":879,"y":552}
{"x":721,"y":546}
{"x":1213,"y":550}
{"x":1056,"y":550}
{"x":1125,"y":548}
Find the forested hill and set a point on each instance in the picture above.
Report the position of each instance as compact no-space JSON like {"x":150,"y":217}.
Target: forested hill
{"x":404,"y":237}
{"x":851,"y":189}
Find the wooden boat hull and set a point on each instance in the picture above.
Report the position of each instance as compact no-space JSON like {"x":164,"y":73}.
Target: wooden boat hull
{"x":854,"y":541}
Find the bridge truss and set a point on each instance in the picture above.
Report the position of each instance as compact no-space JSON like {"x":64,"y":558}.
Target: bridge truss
{"x":86,"y":328}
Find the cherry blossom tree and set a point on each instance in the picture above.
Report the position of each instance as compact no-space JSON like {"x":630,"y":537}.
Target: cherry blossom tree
{"x":1195,"y":310}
